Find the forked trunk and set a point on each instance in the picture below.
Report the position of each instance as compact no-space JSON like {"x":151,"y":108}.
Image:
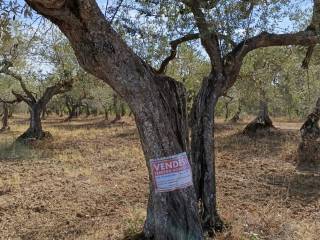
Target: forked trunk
{"x":203,"y":158}
{"x":261,"y":122}
{"x":5,"y":117}
{"x":35,"y":128}
{"x":309,"y":148}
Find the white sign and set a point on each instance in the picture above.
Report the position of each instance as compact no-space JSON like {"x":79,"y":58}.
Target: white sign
{"x":171,"y":173}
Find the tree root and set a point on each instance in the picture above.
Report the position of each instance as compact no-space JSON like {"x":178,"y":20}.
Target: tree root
{"x":30,"y":136}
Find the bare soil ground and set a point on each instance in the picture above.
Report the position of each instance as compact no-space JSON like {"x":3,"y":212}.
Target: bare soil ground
{"x":90,"y":182}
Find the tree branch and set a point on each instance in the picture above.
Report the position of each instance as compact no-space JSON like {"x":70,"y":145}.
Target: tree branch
{"x":20,"y":98}
{"x":59,"y":88}
{"x":265,"y":39}
{"x":307,"y":58}
{"x":7,"y":71}
{"x":208,"y":35}
{"x":174,"y":44}
{"x":10,"y":101}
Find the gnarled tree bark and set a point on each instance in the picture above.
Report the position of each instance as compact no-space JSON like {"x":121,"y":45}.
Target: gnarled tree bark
{"x":261,"y":122}
{"x":202,"y":145}
{"x":309,"y":148}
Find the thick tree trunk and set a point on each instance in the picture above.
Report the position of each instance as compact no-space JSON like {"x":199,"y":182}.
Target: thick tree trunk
{"x":203,"y":158}
{"x":162,"y":124}
{"x":35,"y":128}
{"x":309,"y":148}
{"x":5,"y":117}
{"x":261,"y":122}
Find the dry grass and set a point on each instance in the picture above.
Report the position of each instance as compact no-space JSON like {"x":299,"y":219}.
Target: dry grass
{"x":90,"y":183}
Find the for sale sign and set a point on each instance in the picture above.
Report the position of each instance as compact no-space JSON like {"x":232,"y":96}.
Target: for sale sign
{"x":171,"y":173}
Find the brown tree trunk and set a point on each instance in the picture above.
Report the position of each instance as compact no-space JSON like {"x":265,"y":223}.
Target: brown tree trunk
{"x":35,"y":128}
{"x":72,"y":112}
{"x":116,"y":108}
{"x":5,"y":117}
{"x":236,"y":116}
{"x":106,"y":113}
{"x":162,"y":124}
{"x":309,"y":148}
{"x":10,"y":110}
{"x":203,"y":158}
{"x":226,"y":117}
{"x":123,"y":109}
{"x":87,"y":109}
{"x":261,"y":122}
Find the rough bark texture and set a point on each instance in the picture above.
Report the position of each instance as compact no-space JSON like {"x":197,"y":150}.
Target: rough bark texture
{"x":158,"y":104}
{"x":171,"y":215}
{"x":262,"y":122}
{"x":309,"y":148}
{"x":202,"y":145}
{"x":34,"y":132}
{"x":5,"y":117}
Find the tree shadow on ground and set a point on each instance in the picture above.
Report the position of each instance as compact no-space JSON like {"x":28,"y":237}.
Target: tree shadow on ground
{"x":88,"y":125}
{"x":267,"y":145}
{"x":137,"y":236}
{"x":299,"y":187}
{"x":16,"y":151}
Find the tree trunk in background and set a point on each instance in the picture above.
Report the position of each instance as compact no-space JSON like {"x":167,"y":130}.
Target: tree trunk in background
{"x":309,"y":148}
{"x":5,"y":117}
{"x":226,"y":106}
{"x":203,"y":158}
{"x":116,"y":108}
{"x":44,"y":113}
{"x":35,"y":128}
{"x":106,"y":113}
{"x":11,"y":110}
{"x":87,"y":109}
{"x":72,"y":112}
{"x":261,"y":122}
{"x":236,"y":116}
{"x":123,"y":109}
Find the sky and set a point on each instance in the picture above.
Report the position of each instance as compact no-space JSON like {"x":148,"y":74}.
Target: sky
{"x":283,"y":23}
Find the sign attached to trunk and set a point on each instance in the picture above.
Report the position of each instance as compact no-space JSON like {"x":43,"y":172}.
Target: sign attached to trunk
{"x":171,"y":173}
